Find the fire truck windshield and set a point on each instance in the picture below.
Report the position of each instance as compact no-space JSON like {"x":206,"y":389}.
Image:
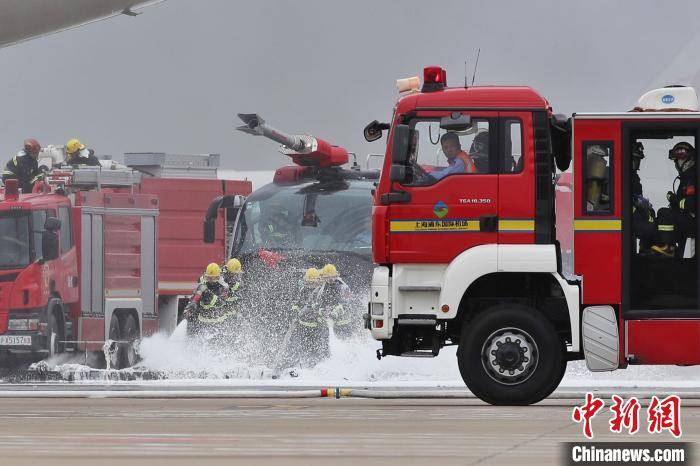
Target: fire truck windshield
{"x":314,"y":217}
{"x":14,"y":240}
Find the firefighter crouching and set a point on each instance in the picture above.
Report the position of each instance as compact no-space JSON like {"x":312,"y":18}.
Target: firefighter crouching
{"x":24,"y":167}
{"x":676,"y":222}
{"x":207,"y":310}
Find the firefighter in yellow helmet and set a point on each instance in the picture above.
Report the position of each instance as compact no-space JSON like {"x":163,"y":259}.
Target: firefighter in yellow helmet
{"x":306,"y":341}
{"x":329,"y":271}
{"x":78,"y":154}
{"x":211,"y":290}
{"x":334,"y":302}
{"x":231,"y":273}
{"x":307,"y":301}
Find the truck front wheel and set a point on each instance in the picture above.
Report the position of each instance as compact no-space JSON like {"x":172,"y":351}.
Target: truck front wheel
{"x":511,"y":355}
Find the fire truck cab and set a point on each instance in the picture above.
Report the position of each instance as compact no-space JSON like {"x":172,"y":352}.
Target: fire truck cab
{"x":510,"y":231}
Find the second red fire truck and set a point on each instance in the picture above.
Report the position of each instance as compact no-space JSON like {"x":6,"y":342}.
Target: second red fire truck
{"x":105,"y":254}
{"x":522,"y":266}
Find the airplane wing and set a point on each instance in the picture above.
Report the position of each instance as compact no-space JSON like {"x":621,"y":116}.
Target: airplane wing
{"x":22,"y":20}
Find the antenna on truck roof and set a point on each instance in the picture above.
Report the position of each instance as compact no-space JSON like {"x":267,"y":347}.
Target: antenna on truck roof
{"x":465,"y":73}
{"x":478,"y":52}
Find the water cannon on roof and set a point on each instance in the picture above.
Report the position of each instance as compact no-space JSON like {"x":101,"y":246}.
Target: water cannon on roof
{"x":305,"y":150}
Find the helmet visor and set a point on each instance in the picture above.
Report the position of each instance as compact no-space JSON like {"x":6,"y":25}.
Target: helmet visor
{"x":680,"y":153}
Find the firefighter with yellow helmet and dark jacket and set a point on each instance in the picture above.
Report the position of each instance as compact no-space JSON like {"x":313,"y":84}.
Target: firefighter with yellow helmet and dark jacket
{"x":334,"y":302}
{"x":677,"y":221}
{"x":309,"y":342}
{"x":207,"y":307}
{"x":79,"y":155}
{"x":321,"y":299}
{"x":231,"y":273}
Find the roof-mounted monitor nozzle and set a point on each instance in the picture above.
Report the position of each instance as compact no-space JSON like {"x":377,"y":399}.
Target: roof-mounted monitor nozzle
{"x":303,"y":149}
{"x":669,"y":99}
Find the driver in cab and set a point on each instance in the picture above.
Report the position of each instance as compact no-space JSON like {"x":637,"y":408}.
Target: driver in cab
{"x":458,"y":161}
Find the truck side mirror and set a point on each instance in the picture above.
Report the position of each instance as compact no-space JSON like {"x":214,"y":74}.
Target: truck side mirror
{"x":49,"y":244}
{"x":52,"y":224}
{"x":209,"y":231}
{"x":373,"y":130}
{"x":456,"y":121}
{"x":232,"y":203}
{"x":401,"y":144}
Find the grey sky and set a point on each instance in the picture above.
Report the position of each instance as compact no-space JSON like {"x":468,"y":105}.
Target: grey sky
{"x":173,"y":78}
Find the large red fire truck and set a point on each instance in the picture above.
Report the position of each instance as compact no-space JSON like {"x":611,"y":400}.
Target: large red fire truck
{"x":104,"y":254}
{"x":522,"y":266}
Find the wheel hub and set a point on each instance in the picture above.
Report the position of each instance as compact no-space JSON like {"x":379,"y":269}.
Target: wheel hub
{"x":510,"y":356}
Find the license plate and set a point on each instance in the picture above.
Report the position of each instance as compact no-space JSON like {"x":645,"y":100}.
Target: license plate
{"x":15,"y":340}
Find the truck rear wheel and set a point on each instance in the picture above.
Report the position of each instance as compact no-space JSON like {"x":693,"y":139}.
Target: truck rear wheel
{"x":511,"y":355}
{"x":130,"y":333}
{"x":114,"y":335}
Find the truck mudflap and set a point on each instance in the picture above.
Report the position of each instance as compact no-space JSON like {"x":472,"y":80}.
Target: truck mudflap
{"x":379,"y":318}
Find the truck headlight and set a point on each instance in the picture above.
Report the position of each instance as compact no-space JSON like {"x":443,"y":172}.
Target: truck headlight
{"x":23,"y":324}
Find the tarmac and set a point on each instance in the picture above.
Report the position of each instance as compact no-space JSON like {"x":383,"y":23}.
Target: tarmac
{"x":67,"y":424}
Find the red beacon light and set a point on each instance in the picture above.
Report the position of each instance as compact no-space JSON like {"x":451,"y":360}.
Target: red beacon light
{"x":434,"y":79}
{"x":11,"y":190}
{"x":289,"y":174}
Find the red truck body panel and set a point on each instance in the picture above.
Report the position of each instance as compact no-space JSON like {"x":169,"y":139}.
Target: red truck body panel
{"x":181,"y":251}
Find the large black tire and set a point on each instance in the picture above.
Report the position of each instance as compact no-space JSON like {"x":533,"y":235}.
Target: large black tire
{"x":128,"y":350}
{"x":115,"y":334}
{"x":511,"y":355}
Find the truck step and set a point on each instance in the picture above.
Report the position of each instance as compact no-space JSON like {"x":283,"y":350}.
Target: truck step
{"x":418,"y":354}
{"x":420,"y":288}
{"x":427,"y":320}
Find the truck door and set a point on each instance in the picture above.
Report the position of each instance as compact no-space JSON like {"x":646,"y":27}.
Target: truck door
{"x":448,"y":212}
{"x":597,"y":209}
{"x":516,"y":190}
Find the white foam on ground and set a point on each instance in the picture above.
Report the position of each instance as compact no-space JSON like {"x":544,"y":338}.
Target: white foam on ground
{"x":353,"y":363}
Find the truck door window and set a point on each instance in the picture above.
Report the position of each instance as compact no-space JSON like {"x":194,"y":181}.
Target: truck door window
{"x":512,"y":146}
{"x":597,"y":160}
{"x":14,"y":240}
{"x":66,"y":230}
{"x":436,"y":154}
{"x":38,"y":220}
